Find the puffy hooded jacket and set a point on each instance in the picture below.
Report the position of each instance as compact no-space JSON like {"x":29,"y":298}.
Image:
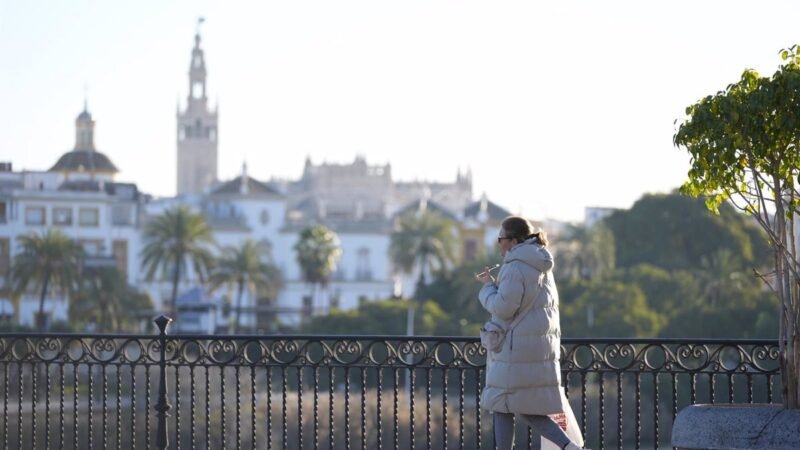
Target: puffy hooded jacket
{"x":525,"y":377}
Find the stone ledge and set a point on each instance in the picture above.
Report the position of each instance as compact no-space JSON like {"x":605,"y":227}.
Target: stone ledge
{"x":737,"y":426}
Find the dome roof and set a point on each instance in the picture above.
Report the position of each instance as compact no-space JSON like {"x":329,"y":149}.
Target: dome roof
{"x":84,"y":115}
{"x":84,"y":160}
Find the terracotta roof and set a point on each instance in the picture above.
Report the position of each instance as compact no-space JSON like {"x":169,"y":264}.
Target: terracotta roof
{"x":430,"y":205}
{"x":254,"y":187}
{"x":493,"y":210}
{"x":85,"y":160}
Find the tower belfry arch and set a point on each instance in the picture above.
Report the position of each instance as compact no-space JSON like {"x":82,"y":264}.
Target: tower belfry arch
{"x":197,"y":132}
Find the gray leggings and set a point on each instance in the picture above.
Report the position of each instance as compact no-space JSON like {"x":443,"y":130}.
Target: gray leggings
{"x":541,"y":425}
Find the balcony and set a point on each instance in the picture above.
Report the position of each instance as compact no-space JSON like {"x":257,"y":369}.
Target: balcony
{"x":345,"y":392}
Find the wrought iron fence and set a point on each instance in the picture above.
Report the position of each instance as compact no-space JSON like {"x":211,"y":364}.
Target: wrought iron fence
{"x":344,"y":392}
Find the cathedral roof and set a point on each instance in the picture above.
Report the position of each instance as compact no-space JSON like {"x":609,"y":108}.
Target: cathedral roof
{"x":84,"y":160}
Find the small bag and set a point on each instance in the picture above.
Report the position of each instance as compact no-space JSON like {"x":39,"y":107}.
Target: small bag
{"x":492,"y":336}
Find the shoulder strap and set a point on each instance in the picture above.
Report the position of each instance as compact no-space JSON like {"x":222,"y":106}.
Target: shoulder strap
{"x":523,"y":311}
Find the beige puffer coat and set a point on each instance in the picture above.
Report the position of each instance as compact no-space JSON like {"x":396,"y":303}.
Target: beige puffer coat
{"x":525,"y":377}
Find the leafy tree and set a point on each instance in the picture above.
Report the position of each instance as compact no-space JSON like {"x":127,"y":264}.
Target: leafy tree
{"x":47,"y":259}
{"x":423,"y":241}
{"x":318,"y":251}
{"x":743,"y":147}
{"x":667,"y":292}
{"x":246,"y":267}
{"x":610,"y":308}
{"x":675,"y":232}
{"x":742,"y":305}
{"x":106,"y":300}
{"x":174,"y":241}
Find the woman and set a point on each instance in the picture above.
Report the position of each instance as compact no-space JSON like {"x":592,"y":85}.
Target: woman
{"x":524,"y":378}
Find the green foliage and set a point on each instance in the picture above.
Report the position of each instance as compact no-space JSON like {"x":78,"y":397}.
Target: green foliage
{"x":609,"y":309}
{"x":109,"y":303}
{"x":675,"y":232}
{"x":743,"y":139}
{"x":173,"y":242}
{"x":667,"y":292}
{"x":585,"y":252}
{"x":46,"y":260}
{"x":382,"y":317}
{"x":317,"y":254}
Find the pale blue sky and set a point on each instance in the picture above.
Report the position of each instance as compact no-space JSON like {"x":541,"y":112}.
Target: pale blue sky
{"x":554,"y":106}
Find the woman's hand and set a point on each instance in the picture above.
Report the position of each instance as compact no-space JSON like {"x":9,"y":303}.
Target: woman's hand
{"x":485,"y":276}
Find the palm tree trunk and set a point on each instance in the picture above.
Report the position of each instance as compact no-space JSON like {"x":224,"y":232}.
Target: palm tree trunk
{"x":421,"y":281}
{"x":176,"y":278}
{"x":40,"y":320}
{"x":240,"y":291}
{"x":103,"y":314}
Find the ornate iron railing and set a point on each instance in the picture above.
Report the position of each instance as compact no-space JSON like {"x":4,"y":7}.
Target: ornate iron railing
{"x":344,"y":392}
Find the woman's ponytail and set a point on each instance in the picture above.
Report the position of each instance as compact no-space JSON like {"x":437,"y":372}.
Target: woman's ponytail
{"x":520,"y":229}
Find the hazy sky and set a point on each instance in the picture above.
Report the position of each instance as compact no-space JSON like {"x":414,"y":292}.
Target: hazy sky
{"x":553,"y":105}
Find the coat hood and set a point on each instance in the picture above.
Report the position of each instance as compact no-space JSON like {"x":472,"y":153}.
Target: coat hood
{"x":532,"y":254}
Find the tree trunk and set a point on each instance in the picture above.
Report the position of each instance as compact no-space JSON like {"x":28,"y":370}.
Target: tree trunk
{"x":103,"y":314}
{"x":176,"y":278}
{"x":240,"y":291}
{"x":40,"y":320}
{"x":421,"y":281}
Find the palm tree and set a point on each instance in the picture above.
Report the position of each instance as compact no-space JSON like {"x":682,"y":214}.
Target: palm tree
{"x":47,"y":259}
{"x":247,"y":266}
{"x":423,"y":240}
{"x":318,"y":252}
{"x":585,"y":252}
{"x":106,"y":299}
{"x":175,"y":240}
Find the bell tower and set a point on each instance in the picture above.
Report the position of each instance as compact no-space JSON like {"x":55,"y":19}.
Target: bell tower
{"x":197,"y":130}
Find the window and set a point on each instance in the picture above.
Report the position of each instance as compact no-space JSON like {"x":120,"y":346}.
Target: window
{"x":121,"y":215}
{"x":88,"y":217}
{"x":92,"y":247}
{"x":62,"y":216}
{"x":336,"y":299}
{"x":363,"y":269}
{"x":197,"y":90}
{"x":3,"y":213}
{"x":34,"y":215}
{"x":264,"y":217}
{"x":470,"y":250}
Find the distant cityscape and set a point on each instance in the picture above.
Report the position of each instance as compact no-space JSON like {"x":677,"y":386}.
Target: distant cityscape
{"x":80,"y":196}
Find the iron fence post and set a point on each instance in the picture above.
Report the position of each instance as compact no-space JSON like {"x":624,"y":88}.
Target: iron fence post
{"x":162,"y":407}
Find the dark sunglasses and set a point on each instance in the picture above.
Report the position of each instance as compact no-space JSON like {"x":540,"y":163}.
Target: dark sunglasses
{"x":500,"y":239}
